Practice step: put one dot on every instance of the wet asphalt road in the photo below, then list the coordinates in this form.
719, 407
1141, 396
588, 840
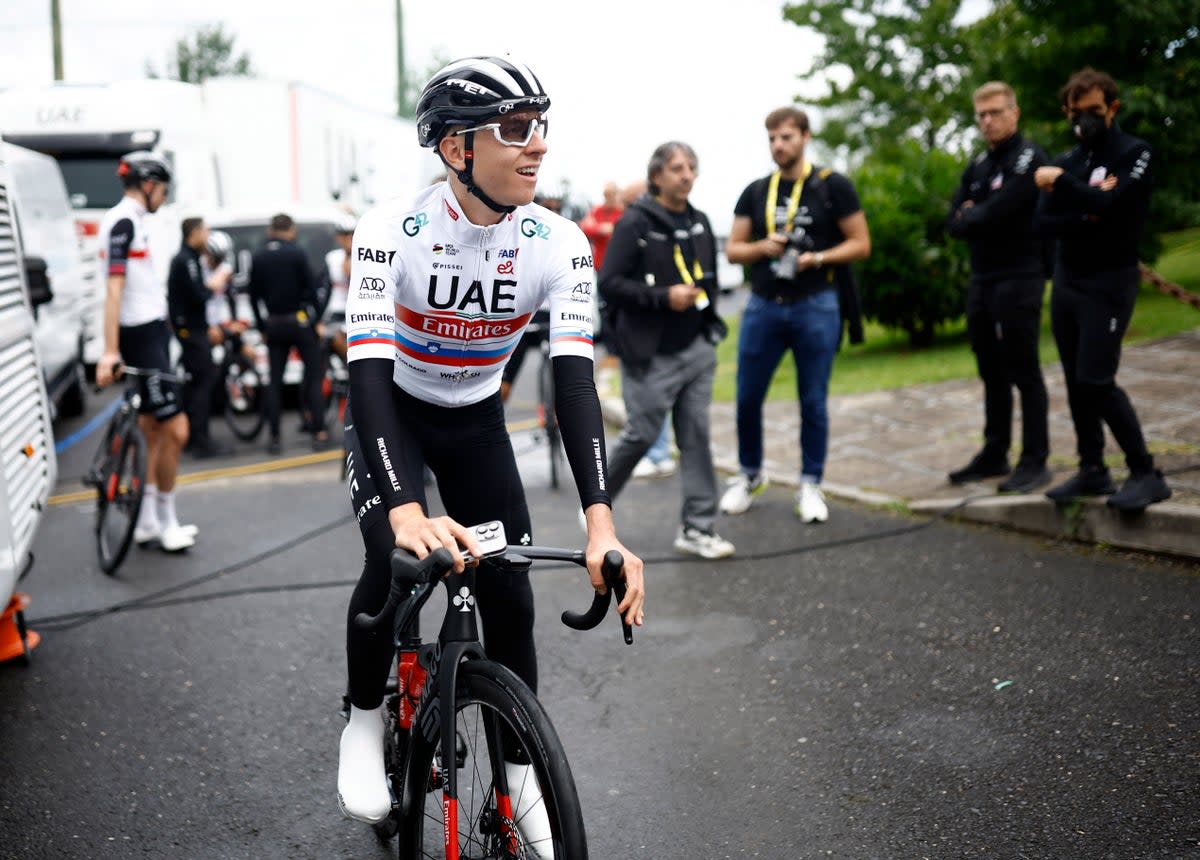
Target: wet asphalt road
946, 692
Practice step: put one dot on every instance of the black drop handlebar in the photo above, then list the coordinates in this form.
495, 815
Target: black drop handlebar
412, 583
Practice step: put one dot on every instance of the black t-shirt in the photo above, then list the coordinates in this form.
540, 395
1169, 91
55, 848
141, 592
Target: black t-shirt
823, 203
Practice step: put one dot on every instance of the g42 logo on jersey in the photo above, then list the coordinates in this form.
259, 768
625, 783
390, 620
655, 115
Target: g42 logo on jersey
375, 256
413, 223
531, 228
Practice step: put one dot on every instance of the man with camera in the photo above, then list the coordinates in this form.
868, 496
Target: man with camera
793, 229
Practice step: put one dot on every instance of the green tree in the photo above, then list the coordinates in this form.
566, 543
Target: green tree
916, 277
205, 53
891, 71
414, 82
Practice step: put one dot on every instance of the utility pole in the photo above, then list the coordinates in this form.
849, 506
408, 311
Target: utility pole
401, 76
56, 38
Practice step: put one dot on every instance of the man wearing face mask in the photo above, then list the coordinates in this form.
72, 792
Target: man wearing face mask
1095, 200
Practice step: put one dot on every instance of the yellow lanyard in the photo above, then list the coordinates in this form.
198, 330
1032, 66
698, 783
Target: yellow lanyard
690, 278
793, 198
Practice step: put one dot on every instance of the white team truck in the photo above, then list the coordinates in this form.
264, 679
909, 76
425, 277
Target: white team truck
26, 441
87, 128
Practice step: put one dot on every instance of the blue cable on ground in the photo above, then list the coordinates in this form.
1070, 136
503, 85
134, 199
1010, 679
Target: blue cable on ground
86, 430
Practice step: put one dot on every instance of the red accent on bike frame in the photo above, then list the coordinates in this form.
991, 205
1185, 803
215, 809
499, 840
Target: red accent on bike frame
507, 829
450, 823
110, 491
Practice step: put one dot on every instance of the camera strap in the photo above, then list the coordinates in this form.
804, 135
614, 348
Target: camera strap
691, 278
793, 205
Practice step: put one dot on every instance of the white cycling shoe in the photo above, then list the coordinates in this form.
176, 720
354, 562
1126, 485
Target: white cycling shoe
529, 810
363, 792
144, 534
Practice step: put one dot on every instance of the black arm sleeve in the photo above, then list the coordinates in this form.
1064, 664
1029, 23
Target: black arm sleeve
391, 451
578, 409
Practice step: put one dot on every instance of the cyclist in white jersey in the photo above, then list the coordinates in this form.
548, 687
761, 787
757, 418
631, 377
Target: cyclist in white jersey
136, 333
441, 288
337, 268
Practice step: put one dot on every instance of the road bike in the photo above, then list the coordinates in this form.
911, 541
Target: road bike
453, 718
118, 471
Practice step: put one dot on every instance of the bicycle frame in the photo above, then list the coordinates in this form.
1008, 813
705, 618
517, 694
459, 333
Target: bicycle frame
457, 642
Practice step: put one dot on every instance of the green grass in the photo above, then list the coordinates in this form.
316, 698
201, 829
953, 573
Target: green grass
886, 361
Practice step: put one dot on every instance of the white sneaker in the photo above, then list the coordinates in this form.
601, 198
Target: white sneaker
810, 503
177, 538
703, 544
529, 811
363, 792
647, 468
741, 493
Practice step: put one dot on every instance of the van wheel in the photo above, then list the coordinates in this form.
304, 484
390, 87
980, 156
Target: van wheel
72, 403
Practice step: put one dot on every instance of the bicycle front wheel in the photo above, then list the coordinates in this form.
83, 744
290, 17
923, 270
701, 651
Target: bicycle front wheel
243, 398
497, 718
120, 487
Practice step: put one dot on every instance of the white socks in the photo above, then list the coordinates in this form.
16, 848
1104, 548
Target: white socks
148, 516
362, 781
165, 505
529, 811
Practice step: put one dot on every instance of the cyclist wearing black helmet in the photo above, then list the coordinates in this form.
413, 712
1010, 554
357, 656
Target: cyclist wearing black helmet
441, 289
136, 333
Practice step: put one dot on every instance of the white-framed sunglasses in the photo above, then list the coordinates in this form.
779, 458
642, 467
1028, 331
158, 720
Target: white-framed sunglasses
512, 130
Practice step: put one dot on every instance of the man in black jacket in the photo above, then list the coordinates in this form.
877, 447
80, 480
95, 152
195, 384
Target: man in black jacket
187, 295
993, 211
1095, 200
282, 280
660, 291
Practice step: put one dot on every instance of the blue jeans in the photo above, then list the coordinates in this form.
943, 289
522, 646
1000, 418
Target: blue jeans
811, 329
661, 449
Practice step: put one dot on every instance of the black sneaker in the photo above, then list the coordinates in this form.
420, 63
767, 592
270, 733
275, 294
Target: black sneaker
1026, 478
273, 447
980, 467
1090, 481
1140, 491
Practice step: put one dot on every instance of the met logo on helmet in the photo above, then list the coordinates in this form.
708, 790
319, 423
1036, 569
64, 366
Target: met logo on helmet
472, 87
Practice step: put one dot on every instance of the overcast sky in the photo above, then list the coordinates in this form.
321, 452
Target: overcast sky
623, 75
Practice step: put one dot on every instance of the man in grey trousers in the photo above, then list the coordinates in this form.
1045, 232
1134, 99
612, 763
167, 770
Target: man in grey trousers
660, 294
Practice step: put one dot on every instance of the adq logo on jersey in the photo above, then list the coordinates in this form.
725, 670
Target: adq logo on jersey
531, 228
413, 223
505, 268
372, 285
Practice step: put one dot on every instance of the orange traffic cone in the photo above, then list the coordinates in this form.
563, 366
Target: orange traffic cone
15, 639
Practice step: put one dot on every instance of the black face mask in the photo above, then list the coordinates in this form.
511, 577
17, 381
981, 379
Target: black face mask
1089, 129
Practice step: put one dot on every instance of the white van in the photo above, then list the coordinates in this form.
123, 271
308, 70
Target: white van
46, 227
26, 442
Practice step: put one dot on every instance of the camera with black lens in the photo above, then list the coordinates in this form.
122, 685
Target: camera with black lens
799, 242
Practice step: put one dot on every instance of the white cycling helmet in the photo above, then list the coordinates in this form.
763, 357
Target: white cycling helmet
345, 224
219, 245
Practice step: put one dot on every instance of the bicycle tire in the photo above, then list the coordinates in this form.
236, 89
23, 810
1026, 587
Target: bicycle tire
333, 390
548, 417
243, 397
488, 690
119, 494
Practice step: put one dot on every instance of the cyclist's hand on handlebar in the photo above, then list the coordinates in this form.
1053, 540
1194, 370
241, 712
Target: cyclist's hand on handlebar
601, 538
106, 368
421, 535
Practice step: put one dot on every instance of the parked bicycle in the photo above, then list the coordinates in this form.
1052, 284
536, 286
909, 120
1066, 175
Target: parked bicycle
118, 472
454, 717
546, 417
242, 388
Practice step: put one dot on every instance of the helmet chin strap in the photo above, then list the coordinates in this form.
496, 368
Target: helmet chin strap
466, 178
